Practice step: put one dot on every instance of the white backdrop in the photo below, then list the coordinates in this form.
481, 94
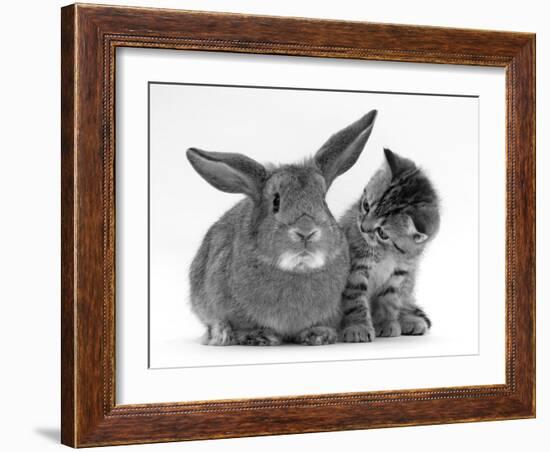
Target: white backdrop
439, 133
29, 184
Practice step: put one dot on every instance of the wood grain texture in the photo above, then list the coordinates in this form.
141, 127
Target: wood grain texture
90, 35
68, 147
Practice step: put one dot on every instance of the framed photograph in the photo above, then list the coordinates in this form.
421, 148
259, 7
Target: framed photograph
281, 225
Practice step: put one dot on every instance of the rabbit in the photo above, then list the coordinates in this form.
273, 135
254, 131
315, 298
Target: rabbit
273, 268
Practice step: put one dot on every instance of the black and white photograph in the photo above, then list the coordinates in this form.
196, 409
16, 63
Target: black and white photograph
286, 216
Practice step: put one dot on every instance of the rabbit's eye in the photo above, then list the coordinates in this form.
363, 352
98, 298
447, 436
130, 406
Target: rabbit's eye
366, 206
382, 234
276, 202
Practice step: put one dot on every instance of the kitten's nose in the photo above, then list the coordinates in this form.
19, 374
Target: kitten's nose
305, 230
366, 228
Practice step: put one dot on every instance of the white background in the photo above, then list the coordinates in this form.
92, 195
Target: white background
30, 227
439, 133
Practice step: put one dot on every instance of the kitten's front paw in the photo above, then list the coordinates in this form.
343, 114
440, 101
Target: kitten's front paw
414, 326
219, 334
260, 337
390, 328
317, 335
357, 333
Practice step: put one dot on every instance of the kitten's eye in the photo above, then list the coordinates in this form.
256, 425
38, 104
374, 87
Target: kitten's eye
276, 202
366, 206
382, 234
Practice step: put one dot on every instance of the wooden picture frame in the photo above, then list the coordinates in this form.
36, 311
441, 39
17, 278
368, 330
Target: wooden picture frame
90, 35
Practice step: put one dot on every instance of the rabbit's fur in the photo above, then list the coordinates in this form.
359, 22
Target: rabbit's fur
272, 269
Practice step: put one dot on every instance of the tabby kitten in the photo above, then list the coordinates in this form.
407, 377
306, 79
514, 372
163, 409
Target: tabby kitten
387, 230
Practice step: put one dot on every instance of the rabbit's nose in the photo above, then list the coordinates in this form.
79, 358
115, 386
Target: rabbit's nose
305, 230
308, 236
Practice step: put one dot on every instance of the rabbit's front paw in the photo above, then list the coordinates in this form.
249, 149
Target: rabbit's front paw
318, 335
388, 328
260, 337
414, 325
357, 333
219, 334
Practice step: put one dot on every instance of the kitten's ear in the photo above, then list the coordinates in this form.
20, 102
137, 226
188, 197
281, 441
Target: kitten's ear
397, 164
418, 237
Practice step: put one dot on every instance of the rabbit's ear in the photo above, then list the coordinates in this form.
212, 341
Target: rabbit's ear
232, 173
343, 148
397, 164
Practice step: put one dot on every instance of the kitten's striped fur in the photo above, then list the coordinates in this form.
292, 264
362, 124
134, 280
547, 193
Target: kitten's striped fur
387, 230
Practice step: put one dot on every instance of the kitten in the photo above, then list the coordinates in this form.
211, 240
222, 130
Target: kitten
387, 230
